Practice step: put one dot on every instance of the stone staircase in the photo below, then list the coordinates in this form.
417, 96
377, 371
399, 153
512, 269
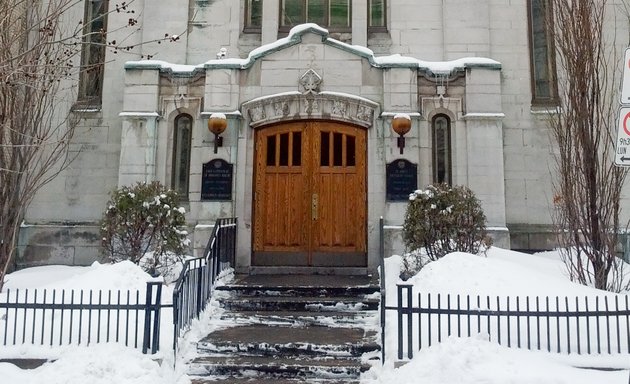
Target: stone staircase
292, 328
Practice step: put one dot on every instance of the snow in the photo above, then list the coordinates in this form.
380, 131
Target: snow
402, 116
455, 360
475, 359
438, 68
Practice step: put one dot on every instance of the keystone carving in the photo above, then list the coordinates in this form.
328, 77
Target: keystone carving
310, 81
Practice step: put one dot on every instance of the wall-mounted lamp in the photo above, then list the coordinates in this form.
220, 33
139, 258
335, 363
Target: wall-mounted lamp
401, 124
216, 125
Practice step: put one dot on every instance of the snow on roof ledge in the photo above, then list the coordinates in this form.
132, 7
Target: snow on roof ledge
437, 68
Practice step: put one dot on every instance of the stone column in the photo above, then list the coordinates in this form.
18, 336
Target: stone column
484, 146
359, 22
138, 142
138, 148
270, 21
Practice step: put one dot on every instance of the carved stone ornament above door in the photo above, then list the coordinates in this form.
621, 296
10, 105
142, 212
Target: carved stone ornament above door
307, 106
310, 82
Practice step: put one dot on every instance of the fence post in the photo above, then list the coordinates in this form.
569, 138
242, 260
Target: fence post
233, 242
151, 337
199, 301
175, 322
382, 285
157, 317
146, 339
404, 310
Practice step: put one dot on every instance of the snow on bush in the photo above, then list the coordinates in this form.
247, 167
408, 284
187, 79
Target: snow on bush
145, 219
440, 220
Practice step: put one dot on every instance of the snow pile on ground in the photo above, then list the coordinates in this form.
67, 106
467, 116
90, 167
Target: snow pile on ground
120, 276
97, 364
500, 272
462, 361
475, 359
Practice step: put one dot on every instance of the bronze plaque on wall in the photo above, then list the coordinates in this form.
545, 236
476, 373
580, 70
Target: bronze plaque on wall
216, 180
401, 180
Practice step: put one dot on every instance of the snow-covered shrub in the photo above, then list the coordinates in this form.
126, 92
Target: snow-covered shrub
145, 219
440, 220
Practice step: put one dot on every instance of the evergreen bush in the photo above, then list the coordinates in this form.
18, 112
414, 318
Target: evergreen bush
144, 224
439, 220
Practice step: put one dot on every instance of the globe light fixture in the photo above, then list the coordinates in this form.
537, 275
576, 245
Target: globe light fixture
217, 123
401, 124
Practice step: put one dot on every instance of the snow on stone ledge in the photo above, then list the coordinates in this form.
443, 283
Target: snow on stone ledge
402, 116
437, 68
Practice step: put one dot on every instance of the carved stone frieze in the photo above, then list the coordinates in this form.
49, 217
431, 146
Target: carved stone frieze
339, 108
282, 108
296, 106
257, 113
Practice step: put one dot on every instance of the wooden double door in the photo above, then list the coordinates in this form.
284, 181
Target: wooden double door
310, 195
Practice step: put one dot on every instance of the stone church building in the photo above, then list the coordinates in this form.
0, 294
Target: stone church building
310, 91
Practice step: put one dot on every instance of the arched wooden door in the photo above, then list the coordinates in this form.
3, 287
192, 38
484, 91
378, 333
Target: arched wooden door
310, 195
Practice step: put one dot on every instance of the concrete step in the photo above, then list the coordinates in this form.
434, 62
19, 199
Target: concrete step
297, 281
266, 340
268, 380
287, 329
288, 303
278, 367
301, 318
260, 290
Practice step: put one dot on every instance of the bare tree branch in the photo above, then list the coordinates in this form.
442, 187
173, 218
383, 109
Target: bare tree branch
588, 185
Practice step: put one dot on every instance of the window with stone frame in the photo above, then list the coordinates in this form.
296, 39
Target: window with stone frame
376, 15
542, 53
253, 15
441, 156
182, 139
332, 14
93, 52
335, 15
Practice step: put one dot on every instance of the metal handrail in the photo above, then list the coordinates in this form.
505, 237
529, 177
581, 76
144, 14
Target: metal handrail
196, 282
382, 282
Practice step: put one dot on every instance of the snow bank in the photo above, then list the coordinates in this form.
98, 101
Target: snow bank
124, 275
474, 360
97, 364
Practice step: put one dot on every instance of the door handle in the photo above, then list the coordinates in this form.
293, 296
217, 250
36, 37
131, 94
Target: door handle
314, 206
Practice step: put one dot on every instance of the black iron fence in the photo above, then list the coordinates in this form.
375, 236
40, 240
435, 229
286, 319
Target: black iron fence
382, 285
196, 282
84, 317
555, 324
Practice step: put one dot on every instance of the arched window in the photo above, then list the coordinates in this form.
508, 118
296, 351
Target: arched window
181, 155
93, 53
441, 132
542, 53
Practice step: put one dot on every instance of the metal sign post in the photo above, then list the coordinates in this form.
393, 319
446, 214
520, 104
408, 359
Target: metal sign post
622, 145
625, 82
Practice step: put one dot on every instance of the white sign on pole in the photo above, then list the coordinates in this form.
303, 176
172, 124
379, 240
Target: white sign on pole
622, 152
625, 85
